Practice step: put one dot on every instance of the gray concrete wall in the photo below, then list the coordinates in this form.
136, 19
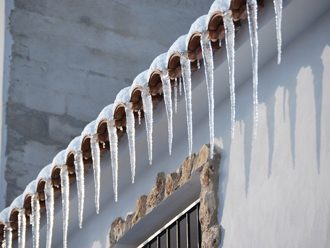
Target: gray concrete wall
69, 59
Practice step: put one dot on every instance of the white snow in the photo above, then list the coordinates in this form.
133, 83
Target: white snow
140, 80
199, 25
159, 63
74, 146
218, 5
45, 173
123, 96
5, 214
31, 188
60, 158
106, 113
18, 202
178, 46
90, 129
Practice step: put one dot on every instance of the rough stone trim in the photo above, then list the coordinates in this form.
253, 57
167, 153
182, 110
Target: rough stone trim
166, 185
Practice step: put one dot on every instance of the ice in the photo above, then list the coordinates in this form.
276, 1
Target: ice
45, 173
49, 197
130, 125
60, 158
123, 96
79, 169
9, 237
252, 11
230, 47
139, 117
186, 74
159, 63
278, 5
178, 46
198, 64
35, 205
65, 191
21, 228
90, 129
209, 76
97, 170
180, 86
219, 5
166, 81
113, 138
105, 114
148, 116
176, 95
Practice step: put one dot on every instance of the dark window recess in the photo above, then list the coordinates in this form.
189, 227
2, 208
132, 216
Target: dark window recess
184, 231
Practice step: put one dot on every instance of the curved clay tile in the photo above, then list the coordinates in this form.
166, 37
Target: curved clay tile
4, 221
86, 135
101, 124
30, 190
155, 70
58, 161
15, 207
140, 82
119, 113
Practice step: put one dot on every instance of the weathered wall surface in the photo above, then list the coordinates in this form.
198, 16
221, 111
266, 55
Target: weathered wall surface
69, 59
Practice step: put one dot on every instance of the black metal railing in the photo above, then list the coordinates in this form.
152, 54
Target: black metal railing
181, 232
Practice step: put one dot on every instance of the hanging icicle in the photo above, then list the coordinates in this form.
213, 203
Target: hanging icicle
252, 11
148, 115
3, 243
35, 205
180, 86
176, 95
9, 237
65, 191
186, 75
130, 129
21, 228
230, 47
113, 138
139, 117
166, 81
278, 6
79, 169
209, 76
49, 197
95, 147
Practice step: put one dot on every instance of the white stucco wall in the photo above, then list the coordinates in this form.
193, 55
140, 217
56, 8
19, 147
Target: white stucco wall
273, 191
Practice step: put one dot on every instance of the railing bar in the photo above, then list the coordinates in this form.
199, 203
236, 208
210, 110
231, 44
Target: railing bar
198, 228
158, 241
177, 234
168, 239
188, 230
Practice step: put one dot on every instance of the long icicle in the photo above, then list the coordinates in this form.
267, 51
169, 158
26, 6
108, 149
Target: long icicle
167, 90
209, 75
65, 191
230, 47
49, 197
278, 6
130, 122
36, 220
97, 170
79, 169
186, 75
113, 138
252, 11
148, 112
176, 95
9, 237
3, 243
21, 228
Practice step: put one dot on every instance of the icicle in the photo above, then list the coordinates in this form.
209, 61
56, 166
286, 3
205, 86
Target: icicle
139, 117
180, 86
9, 237
176, 95
65, 191
121, 129
148, 109
49, 197
113, 138
36, 220
198, 64
21, 228
278, 5
130, 125
97, 170
79, 169
166, 81
252, 11
219, 42
230, 47
103, 145
209, 75
186, 73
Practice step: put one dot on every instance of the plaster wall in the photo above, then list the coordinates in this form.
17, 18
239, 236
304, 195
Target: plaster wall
273, 189
69, 59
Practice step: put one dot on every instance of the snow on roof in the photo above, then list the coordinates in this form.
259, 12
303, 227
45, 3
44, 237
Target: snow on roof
31, 188
199, 25
45, 173
140, 80
90, 129
219, 5
74, 145
106, 113
60, 158
177, 46
123, 96
159, 63
17, 203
